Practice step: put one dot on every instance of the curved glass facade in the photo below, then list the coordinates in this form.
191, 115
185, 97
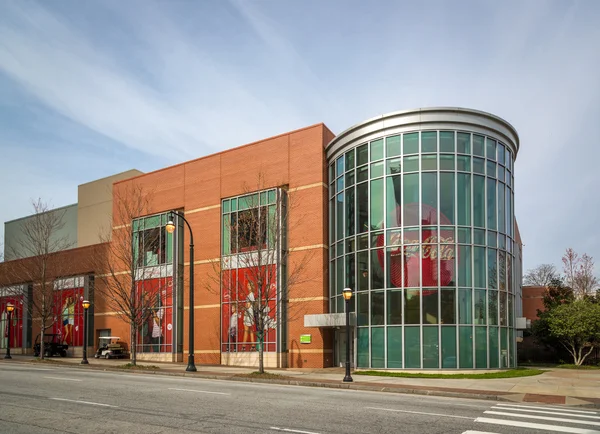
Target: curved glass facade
422, 229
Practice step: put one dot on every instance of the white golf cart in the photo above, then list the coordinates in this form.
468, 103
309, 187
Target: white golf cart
110, 347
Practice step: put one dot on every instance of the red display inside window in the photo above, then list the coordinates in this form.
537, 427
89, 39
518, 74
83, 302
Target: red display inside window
16, 322
156, 334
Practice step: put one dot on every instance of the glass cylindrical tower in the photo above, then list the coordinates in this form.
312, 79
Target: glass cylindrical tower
421, 227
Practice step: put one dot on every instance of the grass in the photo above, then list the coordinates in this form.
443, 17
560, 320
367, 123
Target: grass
571, 366
266, 376
511, 373
140, 367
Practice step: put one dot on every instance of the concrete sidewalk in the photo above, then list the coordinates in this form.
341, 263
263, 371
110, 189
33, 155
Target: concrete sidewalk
557, 386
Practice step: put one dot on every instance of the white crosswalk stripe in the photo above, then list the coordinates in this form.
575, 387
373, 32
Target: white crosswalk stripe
543, 418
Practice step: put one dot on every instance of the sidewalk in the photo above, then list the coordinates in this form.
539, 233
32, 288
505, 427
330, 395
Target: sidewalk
557, 386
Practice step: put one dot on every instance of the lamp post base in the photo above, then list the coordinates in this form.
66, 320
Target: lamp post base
191, 366
348, 377
85, 362
7, 356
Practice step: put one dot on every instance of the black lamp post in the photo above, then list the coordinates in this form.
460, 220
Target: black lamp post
347, 292
191, 366
86, 306
9, 310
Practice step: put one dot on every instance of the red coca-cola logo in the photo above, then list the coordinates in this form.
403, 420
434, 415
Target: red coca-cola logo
405, 260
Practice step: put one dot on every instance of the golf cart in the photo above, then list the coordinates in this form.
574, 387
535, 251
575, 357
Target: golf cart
109, 347
52, 346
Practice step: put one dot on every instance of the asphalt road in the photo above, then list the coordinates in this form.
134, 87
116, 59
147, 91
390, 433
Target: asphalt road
64, 399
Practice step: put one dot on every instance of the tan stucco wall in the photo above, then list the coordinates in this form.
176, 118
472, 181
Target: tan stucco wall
94, 213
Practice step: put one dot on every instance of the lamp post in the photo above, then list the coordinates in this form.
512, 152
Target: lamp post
170, 227
9, 310
347, 292
86, 306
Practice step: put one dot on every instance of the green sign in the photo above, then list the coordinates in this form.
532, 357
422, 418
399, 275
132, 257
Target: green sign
305, 339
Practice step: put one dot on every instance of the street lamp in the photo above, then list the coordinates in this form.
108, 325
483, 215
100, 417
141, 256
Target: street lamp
347, 292
9, 310
170, 227
86, 306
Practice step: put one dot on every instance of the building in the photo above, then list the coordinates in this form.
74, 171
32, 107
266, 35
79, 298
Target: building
412, 210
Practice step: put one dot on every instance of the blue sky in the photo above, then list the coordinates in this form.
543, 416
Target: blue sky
89, 89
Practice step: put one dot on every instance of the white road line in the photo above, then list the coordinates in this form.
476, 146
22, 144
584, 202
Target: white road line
199, 391
546, 408
419, 412
65, 379
553, 419
554, 413
539, 426
478, 432
31, 369
293, 430
84, 402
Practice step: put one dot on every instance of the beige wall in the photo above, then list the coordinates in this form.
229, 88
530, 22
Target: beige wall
94, 213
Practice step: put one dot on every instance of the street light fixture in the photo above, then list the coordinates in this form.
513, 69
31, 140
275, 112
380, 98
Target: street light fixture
347, 292
86, 305
170, 227
9, 310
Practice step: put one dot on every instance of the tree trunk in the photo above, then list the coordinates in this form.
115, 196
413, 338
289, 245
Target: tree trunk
42, 349
132, 346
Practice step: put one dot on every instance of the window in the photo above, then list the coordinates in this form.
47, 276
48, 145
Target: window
153, 245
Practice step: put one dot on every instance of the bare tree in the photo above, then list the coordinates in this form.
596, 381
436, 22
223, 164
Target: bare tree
542, 275
40, 265
579, 273
118, 267
256, 262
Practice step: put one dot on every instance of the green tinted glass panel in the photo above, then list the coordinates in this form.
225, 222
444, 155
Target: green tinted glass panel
465, 306
491, 169
362, 155
463, 143
464, 265
377, 169
412, 306
377, 308
362, 314
339, 279
448, 347
492, 239
234, 204
339, 166
463, 163
429, 162
411, 164
478, 165
377, 150
394, 166
481, 347
492, 269
349, 204
464, 235
349, 160
411, 199
411, 143
226, 205
491, 149
263, 195
429, 198
394, 307
446, 162
464, 199
377, 347
478, 201
501, 209
478, 145
492, 307
377, 204
331, 172
136, 225
339, 216
480, 307
363, 348
446, 141
394, 347
412, 346
479, 236
362, 173
431, 347
501, 153
494, 350
447, 198
362, 206
152, 222
491, 204
429, 141
465, 346
479, 267
392, 208
392, 145
226, 235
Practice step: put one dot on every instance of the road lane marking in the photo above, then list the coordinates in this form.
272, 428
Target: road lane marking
31, 369
538, 426
478, 432
293, 430
419, 412
199, 391
61, 378
515, 406
554, 413
84, 402
553, 419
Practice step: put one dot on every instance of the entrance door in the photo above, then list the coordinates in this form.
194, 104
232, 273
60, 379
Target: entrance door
340, 347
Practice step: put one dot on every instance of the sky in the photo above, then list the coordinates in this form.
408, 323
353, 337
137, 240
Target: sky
90, 89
